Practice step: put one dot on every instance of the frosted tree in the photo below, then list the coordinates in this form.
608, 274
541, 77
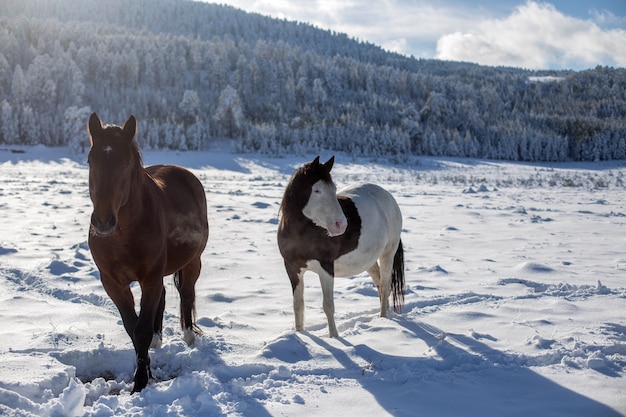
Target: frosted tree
5, 71
9, 128
180, 138
18, 85
229, 113
29, 127
189, 107
319, 93
74, 131
197, 134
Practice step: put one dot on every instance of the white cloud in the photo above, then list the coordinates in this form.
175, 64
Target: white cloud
606, 19
536, 36
404, 26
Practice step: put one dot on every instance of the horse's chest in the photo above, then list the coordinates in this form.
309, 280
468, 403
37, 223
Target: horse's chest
125, 258
303, 242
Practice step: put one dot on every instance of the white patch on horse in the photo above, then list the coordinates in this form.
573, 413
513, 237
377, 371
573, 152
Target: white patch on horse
324, 210
108, 149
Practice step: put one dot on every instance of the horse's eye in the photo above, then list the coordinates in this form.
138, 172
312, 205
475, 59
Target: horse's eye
317, 191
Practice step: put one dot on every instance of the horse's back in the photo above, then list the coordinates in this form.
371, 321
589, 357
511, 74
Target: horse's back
381, 225
181, 187
186, 210
374, 203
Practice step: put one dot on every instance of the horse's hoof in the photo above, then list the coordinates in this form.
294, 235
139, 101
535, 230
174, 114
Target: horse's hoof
157, 341
189, 336
140, 384
142, 374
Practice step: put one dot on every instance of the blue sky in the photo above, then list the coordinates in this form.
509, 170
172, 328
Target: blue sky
563, 34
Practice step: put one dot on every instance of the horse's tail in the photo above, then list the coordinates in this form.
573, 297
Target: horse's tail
397, 280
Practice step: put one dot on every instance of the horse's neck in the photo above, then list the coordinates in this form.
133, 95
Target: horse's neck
295, 221
141, 195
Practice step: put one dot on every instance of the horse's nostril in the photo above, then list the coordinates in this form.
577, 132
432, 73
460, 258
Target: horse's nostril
105, 227
338, 227
111, 221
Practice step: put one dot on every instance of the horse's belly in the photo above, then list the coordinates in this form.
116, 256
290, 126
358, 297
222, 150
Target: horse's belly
357, 261
187, 230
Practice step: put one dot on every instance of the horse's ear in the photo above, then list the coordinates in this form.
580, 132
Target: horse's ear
95, 125
329, 164
130, 127
316, 161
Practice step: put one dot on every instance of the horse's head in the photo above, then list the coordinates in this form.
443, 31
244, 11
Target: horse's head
315, 194
113, 165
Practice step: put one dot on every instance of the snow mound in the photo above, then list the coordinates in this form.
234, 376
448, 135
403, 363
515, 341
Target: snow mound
533, 268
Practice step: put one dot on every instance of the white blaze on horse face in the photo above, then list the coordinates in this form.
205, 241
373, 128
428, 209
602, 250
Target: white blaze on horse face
107, 149
324, 209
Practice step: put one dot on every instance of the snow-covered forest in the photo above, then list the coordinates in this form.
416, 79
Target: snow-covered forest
193, 73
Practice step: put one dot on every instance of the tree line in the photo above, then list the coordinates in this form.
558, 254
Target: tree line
193, 73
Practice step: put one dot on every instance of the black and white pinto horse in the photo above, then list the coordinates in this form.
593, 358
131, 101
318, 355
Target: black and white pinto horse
339, 234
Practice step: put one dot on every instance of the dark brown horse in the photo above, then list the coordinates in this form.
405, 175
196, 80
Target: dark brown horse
146, 223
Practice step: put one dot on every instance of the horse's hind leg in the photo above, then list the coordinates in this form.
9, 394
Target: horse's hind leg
157, 337
386, 267
381, 282
374, 272
384, 284
185, 281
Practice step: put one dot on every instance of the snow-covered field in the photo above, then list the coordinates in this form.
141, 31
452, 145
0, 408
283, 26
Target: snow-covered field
516, 301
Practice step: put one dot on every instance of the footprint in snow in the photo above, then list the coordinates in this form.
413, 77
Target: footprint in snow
5, 251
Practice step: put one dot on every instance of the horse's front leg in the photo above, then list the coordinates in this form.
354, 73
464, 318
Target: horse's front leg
123, 299
296, 276
327, 280
151, 295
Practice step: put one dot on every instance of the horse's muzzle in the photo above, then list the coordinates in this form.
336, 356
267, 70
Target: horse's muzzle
103, 227
337, 228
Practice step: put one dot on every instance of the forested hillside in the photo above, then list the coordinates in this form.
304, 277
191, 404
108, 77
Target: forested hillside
193, 73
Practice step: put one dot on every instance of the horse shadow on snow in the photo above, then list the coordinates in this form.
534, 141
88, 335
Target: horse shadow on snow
463, 375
